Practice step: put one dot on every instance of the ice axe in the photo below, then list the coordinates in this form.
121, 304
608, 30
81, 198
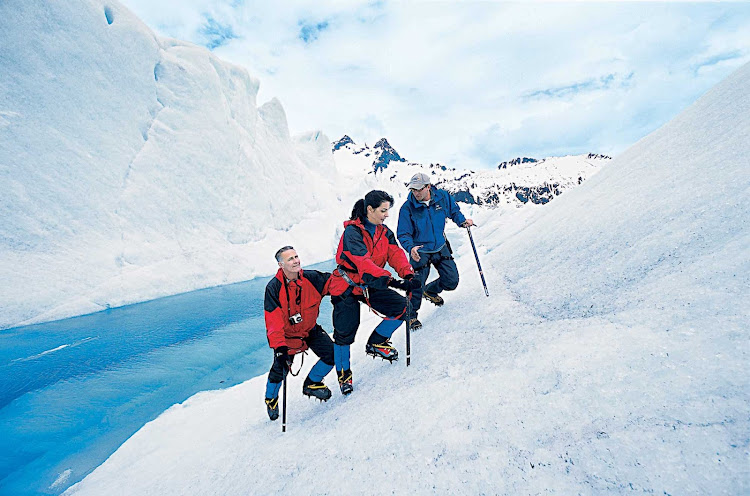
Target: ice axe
479, 266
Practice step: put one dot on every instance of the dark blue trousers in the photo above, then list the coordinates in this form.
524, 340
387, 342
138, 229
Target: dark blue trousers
447, 274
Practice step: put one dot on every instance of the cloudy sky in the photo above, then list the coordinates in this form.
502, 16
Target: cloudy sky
470, 84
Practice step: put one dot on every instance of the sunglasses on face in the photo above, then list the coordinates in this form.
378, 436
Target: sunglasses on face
419, 189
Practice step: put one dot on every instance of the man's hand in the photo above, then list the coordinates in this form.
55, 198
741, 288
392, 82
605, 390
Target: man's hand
468, 223
415, 253
281, 356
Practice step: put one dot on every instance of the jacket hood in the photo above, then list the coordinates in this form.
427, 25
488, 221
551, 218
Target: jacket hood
360, 225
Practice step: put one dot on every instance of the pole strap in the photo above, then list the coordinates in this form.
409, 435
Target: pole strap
302, 362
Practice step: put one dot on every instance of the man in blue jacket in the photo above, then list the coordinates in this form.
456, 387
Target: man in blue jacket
421, 232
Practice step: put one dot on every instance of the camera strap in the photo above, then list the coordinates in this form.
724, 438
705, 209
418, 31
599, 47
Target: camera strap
288, 301
289, 314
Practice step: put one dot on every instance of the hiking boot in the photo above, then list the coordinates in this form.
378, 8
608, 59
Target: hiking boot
345, 382
272, 407
415, 324
316, 390
433, 298
382, 350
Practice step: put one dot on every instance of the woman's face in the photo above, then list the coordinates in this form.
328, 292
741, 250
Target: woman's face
379, 214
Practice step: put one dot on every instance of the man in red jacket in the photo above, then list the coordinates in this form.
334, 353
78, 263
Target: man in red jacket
291, 307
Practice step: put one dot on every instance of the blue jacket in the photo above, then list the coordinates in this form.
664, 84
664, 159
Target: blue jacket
419, 224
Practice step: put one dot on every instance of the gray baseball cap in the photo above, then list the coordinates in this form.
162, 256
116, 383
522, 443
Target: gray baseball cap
419, 181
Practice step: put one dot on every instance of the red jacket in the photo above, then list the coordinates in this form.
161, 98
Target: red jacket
286, 298
363, 257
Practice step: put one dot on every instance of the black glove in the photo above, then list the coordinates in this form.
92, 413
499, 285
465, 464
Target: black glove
409, 283
412, 282
281, 356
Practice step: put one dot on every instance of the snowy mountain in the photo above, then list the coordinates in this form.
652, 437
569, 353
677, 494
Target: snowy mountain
515, 182
611, 357
134, 166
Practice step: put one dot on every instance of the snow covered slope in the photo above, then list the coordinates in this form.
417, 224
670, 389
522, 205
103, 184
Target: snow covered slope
513, 183
669, 214
133, 166
612, 356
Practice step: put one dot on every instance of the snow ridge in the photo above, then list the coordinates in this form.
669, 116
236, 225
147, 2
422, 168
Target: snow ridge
152, 165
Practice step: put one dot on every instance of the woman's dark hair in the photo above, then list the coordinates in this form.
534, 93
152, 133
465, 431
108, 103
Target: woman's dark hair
372, 199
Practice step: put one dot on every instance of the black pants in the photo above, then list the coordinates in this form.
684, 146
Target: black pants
319, 342
346, 312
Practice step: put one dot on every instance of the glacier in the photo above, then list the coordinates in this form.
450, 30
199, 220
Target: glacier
611, 358
134, 166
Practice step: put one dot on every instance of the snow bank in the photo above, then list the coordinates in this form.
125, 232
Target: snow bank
133, 166
611, 357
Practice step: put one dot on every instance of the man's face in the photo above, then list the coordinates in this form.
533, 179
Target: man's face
422, 194
290, 261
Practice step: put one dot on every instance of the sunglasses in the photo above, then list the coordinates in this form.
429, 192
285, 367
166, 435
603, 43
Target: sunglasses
420, 189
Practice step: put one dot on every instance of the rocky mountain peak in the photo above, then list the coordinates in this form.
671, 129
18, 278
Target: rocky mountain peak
386, 154
346, 140
516, 161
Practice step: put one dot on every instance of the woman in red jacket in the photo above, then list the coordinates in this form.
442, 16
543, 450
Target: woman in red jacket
365, 247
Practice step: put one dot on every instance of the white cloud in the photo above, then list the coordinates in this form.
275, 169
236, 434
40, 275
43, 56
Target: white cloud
472, 83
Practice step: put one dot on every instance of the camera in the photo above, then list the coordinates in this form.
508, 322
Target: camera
296, 318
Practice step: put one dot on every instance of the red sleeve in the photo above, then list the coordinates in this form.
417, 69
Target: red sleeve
274, 315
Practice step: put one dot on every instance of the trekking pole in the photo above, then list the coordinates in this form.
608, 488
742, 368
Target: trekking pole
283, 407
408, 328
479, 266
